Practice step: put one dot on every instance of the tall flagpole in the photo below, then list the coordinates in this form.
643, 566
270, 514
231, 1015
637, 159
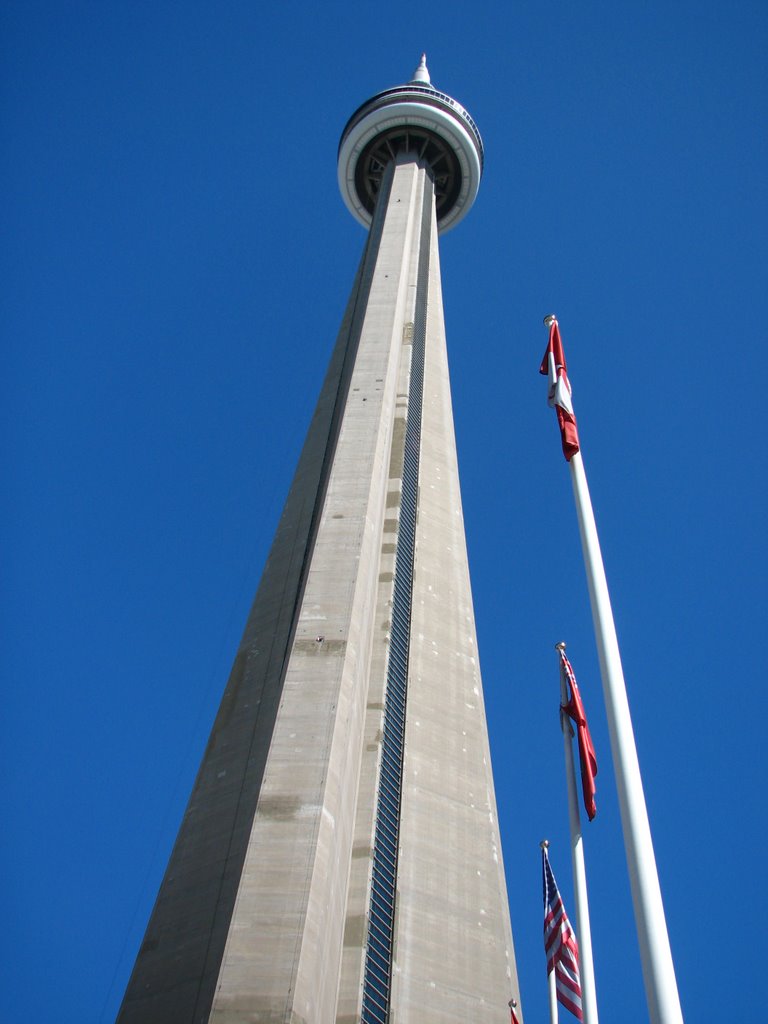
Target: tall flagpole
586, 962
655, 953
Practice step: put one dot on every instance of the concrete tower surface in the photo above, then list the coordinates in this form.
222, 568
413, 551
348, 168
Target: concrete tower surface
339, 859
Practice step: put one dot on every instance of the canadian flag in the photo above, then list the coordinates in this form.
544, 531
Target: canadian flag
559, 394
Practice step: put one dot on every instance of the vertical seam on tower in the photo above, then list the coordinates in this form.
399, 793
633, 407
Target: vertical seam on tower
377, 978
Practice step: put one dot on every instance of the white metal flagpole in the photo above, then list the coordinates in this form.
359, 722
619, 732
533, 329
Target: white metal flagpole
552, 982
586, 962
655, 953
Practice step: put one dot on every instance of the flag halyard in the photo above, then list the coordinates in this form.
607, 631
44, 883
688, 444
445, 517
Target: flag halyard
559, 393
575, 710
560, 944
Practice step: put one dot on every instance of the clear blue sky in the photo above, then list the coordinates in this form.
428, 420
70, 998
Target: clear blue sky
175, 261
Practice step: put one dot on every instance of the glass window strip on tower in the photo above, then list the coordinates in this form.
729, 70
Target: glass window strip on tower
377, 979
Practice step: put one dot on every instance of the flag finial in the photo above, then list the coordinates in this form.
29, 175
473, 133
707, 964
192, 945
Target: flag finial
544, 844
560, 646
549, 319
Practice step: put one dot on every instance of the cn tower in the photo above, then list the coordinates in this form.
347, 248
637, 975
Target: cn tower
340, 859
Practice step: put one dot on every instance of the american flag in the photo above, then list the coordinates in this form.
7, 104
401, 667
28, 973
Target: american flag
560, 944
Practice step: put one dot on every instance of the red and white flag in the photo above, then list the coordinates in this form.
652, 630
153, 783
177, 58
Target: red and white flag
560, 944
512, 1008
559, 394
575, 710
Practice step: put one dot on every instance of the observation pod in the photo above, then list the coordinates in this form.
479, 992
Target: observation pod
418, 118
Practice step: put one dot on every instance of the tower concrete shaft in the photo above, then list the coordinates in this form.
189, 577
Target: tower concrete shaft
340, 857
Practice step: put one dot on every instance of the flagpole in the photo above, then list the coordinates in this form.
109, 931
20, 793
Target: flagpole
586, 962
552, 982
551, 979
655, 953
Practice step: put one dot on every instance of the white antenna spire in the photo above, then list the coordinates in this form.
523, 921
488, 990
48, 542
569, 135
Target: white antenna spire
421, 74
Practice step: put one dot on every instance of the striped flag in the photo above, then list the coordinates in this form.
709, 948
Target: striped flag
560, 944
512, 1008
